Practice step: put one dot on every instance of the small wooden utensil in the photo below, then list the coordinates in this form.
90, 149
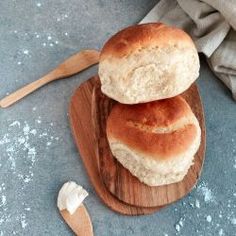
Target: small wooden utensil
79, 222
74, 64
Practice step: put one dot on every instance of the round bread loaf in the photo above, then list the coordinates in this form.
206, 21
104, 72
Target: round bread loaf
155, 141
148, 62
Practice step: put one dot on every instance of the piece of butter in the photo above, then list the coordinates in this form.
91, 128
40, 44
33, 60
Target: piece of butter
70, 196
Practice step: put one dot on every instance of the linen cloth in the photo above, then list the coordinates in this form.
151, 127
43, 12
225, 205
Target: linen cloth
211, 24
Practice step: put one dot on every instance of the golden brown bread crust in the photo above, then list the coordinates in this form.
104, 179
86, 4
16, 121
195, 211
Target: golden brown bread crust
136, 37
148, 127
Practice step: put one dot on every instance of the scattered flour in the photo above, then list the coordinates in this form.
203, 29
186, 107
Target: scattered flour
4, 139
209, 218
49, 143
233, 221
179, 224
19, 157
33, 131
26, 52
43, 134
23, 223
206, 192
221, 232
15, 123
38, 121
3, 200
197, 203
177, 227
26, 129
62, 17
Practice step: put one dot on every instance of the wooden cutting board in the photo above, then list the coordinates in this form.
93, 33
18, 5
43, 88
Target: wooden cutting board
82, 126
120, 182
88, 111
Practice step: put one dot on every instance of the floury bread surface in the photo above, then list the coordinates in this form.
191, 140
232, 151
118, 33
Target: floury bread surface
155, 141
147, 62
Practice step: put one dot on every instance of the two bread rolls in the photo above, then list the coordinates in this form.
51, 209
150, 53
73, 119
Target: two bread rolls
148, 66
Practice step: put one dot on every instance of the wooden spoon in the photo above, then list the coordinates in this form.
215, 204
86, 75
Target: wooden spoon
79, 222
69, 67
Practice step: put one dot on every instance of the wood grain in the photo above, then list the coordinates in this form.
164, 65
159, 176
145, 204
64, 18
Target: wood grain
82, 126
88, 112
121, 182
79, 222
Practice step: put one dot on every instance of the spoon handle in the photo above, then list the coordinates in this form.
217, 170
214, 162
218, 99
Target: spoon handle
79, 222
71, 66
24, 91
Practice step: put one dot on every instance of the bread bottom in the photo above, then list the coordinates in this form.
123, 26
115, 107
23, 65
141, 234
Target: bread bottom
154, 172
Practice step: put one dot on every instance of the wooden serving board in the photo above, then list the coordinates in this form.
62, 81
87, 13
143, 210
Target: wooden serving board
120, 182
89, 109
82, 126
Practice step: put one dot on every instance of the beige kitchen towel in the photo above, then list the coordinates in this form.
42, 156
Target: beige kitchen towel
211, 24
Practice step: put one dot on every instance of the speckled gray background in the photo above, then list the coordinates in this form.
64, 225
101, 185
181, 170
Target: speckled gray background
37, 153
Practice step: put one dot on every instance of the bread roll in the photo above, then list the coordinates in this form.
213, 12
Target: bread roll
148, 62
155, 141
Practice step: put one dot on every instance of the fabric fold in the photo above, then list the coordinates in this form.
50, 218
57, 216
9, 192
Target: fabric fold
211, 24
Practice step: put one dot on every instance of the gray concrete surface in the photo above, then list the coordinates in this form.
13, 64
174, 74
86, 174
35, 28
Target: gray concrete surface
37, 153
